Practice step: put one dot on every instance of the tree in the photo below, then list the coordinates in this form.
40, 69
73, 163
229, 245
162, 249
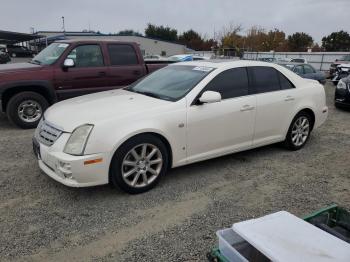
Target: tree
299, 42
191, 39
209, 44
129, 32
161, 32
276, 40
257, 39
229, 36
230, 40
195, 41
336, 41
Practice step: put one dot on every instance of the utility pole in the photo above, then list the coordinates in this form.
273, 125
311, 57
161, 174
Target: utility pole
63, 27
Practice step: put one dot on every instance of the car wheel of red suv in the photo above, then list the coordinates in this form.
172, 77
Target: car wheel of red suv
26, 109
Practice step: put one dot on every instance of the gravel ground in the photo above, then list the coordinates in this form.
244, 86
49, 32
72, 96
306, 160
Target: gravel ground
41, 220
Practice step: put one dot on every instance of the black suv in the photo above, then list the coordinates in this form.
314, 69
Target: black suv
19, 51
342, 93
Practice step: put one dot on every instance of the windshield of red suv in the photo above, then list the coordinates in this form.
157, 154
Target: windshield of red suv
50, 54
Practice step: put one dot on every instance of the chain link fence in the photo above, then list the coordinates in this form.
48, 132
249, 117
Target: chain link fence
319, 60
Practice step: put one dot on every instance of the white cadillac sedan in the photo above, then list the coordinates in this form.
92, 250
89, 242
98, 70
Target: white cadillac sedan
181, 114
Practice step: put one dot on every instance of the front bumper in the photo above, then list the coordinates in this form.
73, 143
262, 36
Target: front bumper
72, 171
342, 96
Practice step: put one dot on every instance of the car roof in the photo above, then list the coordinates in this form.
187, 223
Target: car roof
291, 63
223, 63
69, 41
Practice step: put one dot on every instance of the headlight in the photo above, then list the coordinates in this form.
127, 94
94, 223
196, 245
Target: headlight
77, 140
341, 85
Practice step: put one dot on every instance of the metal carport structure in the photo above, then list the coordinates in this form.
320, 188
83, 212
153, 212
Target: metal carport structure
11, 38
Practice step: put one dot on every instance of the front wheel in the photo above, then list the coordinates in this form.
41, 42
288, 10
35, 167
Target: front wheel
25, 109
299, 131
139, 163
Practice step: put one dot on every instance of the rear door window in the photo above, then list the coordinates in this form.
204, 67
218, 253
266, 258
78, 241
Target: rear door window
230, 83
121, 54
264, 79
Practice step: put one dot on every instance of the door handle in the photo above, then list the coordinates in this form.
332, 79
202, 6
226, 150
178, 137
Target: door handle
102, 73
289, 98
247, 108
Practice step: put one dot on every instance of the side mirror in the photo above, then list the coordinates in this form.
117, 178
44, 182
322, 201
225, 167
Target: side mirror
68, 63
210, 97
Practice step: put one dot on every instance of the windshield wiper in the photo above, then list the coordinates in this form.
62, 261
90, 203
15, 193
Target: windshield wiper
130, 89
148, 94
34, 61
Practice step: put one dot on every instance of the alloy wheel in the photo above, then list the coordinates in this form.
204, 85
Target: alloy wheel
142, 165
300, 131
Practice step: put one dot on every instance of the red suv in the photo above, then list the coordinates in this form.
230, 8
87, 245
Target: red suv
66, 69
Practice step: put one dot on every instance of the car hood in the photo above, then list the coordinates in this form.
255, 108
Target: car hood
344, 65
341, 62
15, 67
100, 107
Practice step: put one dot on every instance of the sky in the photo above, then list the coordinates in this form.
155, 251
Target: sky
315, 17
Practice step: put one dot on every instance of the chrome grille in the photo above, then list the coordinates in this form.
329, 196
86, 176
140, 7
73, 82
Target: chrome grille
47, 134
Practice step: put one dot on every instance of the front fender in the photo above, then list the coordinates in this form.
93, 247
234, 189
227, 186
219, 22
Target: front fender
13, 87
109, 137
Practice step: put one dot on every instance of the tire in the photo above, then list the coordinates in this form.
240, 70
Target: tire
125, 168
292, 142
20, 109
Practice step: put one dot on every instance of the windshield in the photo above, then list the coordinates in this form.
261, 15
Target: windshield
171, 82
50, 54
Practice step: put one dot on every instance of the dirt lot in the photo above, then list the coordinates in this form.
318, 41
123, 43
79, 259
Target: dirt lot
42, 220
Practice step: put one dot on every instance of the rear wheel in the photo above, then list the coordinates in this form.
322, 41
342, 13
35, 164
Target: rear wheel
139, 163
25, 109
299, 131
